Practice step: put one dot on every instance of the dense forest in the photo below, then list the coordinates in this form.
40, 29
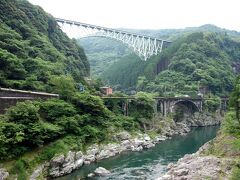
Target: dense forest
102, 53
34, 50
198, 61
36, 55
199, 58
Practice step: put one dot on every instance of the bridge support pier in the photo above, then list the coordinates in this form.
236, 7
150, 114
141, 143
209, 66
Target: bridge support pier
125, 107
223, 105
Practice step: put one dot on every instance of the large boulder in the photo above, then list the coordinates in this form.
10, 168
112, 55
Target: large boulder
100, 171
108, 151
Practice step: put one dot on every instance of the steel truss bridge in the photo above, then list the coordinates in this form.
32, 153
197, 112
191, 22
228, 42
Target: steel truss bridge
143, 46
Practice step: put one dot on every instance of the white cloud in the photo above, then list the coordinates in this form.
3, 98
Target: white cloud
147, 14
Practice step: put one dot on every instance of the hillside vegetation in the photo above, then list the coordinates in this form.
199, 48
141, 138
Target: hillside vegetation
202, 58
199, 60
226, 145
33, 49
102, 53
36, 55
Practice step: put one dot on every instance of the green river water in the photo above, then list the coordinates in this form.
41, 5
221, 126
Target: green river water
148, 164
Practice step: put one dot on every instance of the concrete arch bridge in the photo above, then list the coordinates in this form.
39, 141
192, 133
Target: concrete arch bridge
166, 105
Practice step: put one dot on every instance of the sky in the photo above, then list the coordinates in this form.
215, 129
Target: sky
147, 14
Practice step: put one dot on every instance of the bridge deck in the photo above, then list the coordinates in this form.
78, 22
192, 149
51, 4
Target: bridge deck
108, 29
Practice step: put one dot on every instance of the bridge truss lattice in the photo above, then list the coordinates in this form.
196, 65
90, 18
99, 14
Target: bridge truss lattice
143, 46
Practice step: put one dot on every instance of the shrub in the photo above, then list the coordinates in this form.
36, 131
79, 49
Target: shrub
55, 108
142, 107
212, 104
230, 124
20, 168
124, 122
11, 135
23, 113
87, 103
235, 173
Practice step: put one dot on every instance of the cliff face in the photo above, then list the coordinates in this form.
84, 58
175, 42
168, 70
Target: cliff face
33, 48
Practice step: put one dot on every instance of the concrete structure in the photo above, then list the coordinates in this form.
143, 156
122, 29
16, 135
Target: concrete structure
9, 97
106, 90
144, 46
166, 105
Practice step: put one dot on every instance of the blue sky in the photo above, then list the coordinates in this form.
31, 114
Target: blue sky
147, 14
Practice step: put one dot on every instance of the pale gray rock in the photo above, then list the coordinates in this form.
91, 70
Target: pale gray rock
3, 174
61, 165
105, 153
93, 150
197, 167
69, 163
79, 159
137, 142
160, 138
126, 145
90, 175
148, 144
86, 162
109, 151
90, 158
78, 155
100, 171
181, 172
138, 148
146, 137
124, 135
78, 163
37, 172
55, 165
57, 161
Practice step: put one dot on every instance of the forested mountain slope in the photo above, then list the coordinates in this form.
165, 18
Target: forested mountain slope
205, 57
102, 53
199, 60
33, 49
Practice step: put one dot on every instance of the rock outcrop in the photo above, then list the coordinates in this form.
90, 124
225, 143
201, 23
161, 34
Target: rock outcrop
203, 119
61, 165
38, 171
195, 167
3, 174
100, 171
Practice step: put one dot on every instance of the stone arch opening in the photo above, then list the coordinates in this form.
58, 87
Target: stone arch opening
183, 109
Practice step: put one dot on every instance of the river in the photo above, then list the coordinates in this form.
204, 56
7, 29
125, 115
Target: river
148, 164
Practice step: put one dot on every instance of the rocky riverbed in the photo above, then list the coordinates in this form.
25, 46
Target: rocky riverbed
123, 141
64, 164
